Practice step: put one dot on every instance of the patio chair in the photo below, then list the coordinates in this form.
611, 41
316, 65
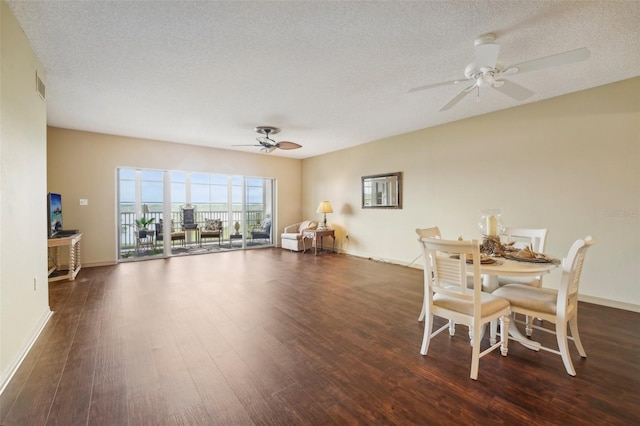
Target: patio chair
175, 235
262, 232
212, 229
188, 217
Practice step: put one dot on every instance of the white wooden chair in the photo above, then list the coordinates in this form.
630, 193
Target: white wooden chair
523, 237
449, 297
557, 306
433, 232
534, 238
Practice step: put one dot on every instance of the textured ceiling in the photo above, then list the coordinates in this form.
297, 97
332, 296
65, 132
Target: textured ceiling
330, 74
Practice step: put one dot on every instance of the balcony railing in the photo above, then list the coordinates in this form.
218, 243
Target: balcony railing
128, 222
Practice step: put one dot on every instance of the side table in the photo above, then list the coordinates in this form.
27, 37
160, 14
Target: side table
314, 234
232, 237
56, 272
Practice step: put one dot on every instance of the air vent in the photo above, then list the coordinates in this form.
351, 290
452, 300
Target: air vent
39, 86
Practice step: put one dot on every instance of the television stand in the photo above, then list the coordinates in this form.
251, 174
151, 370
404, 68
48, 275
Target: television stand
56, 271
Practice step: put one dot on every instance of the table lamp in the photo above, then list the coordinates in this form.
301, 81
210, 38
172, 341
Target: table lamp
324, 207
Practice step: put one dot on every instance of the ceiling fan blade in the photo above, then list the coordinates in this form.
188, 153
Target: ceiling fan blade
513, 90
486, 55
288, 145
246, 145
432, 86
564, 58
457, 98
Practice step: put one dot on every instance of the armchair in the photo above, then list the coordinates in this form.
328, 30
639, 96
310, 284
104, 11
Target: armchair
212, 229
292, 237
262, 232
175, 236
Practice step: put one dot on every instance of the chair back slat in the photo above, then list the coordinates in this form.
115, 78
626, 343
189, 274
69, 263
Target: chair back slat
450, 271
447, 265
522, 237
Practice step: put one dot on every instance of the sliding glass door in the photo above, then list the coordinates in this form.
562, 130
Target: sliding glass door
224, 212
140, 194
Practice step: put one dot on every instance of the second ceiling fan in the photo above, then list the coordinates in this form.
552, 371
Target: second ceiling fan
267, 144
485, 71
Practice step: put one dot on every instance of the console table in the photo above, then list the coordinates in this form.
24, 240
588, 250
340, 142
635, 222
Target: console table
55, 245
314, 234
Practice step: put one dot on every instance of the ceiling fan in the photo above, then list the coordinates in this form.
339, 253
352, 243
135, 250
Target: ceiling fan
486, 71
267, 144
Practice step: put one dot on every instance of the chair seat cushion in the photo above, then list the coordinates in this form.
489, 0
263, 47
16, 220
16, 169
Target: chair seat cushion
532, 282
291, 236
490, 304
531, 298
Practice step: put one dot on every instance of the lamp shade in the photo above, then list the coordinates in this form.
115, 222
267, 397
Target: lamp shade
324, 207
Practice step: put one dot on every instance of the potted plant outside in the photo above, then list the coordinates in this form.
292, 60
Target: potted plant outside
141, 225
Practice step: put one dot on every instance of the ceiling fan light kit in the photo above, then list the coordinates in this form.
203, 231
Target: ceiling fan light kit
268, 145
485, 71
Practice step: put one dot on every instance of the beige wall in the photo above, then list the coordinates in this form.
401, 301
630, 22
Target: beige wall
24, 309
570, 164
83, 165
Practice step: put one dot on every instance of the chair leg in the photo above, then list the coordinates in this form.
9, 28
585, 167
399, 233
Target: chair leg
493, 332
483, 328
573, 326
504, 334
475, 350
428, 324
561, 337
527, 327
452, 328
422, 312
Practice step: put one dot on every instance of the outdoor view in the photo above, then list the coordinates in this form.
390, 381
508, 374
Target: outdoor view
238, 207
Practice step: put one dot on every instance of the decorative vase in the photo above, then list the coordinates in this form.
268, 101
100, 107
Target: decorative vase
490, 224
236, 226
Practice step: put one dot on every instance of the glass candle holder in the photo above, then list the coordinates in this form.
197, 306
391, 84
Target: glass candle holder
490, 224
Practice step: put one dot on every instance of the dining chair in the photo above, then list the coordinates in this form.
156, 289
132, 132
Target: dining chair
448, 297
557, 306
433, 232
534, 238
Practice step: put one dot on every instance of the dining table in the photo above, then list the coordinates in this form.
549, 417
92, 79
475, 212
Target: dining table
500, 266
504, 267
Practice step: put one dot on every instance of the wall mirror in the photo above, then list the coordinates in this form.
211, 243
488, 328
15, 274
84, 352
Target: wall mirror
382, 191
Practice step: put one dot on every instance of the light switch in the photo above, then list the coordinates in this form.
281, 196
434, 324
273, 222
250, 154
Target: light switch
84, 202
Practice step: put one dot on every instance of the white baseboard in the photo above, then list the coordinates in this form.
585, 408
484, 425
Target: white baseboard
7, 375
610, 303
417, 263
94, 264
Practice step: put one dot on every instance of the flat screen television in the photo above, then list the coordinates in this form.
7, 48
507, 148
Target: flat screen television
54, 205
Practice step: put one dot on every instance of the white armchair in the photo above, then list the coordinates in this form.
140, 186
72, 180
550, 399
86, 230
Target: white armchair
291, 236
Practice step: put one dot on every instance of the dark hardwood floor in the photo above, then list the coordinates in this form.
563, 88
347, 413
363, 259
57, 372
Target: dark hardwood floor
270, 337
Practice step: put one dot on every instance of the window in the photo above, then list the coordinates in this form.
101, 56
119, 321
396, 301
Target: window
240, 204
